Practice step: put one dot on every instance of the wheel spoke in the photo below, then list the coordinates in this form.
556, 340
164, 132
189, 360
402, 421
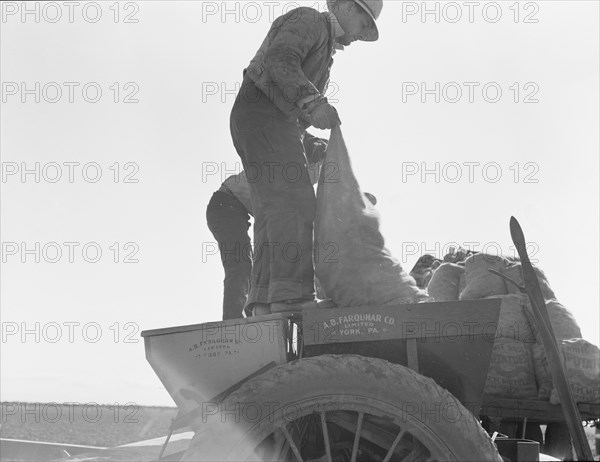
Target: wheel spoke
280, 447
424, 451
372, 433
291, 442
326, 436
357, 436
412, 456
388, 456
417, 451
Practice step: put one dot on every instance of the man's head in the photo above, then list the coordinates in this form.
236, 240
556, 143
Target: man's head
357, 18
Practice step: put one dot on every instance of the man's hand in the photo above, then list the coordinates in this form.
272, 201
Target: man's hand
324, 117
314, 148
319, 149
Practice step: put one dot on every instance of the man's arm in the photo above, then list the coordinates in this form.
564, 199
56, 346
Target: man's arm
315, 149
297, 35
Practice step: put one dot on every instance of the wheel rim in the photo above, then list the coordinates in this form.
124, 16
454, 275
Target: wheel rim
356, 429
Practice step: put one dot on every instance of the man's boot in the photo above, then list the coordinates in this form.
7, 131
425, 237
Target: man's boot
297, 306
260, 309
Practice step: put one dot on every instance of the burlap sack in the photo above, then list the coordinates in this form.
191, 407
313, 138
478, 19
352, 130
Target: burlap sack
563, 322
462, 283
480, 282
564, 326
515, 272
457, 255
361, 270
581, 360
511, 371
445, 282
513, 322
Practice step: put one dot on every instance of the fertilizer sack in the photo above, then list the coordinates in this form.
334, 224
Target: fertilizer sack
480, 282
510, 374
581, 361
362, 271
513, 322
515, 272
562, 320
564, 326
462, 283
445, 282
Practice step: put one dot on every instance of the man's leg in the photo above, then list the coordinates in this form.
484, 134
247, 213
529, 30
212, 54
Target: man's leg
283, 199
261, 269
229, 223
285, 193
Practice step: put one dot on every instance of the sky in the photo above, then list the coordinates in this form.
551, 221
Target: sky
115, 133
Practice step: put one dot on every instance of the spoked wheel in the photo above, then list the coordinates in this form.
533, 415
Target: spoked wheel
340, 408
345, 436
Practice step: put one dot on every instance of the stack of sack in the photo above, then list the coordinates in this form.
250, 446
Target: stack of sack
519, 366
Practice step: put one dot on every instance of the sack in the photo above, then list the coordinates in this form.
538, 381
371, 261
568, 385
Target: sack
565, 327
513, 322
515, 272
511, 371
581, 361
480, 282
445, 282
462, 283
457, 255
563, 322
543, 377
359, 270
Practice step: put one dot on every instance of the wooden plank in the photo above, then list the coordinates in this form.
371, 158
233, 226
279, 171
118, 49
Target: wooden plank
467, 318
214, 326
412, 356
539, 411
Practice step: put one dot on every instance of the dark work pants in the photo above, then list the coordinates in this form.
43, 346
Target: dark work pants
283, 199
228, 221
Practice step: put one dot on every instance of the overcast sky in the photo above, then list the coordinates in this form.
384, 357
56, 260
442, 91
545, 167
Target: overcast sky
454, 122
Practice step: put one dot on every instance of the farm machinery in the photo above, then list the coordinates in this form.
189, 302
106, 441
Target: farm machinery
373, 383
386, 382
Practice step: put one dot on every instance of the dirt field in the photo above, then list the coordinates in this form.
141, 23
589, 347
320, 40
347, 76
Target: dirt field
94, 425
97, 425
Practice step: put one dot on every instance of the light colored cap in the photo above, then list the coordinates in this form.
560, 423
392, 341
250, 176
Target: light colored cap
373, 9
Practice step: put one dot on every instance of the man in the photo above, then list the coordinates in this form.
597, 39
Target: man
283, 88
423, 270
228, 218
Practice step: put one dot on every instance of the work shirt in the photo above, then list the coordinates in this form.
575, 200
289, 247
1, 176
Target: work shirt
294, 61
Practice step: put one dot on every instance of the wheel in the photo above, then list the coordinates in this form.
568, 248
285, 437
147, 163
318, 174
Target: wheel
339, 408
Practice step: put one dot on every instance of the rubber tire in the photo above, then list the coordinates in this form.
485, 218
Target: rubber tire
328, 381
